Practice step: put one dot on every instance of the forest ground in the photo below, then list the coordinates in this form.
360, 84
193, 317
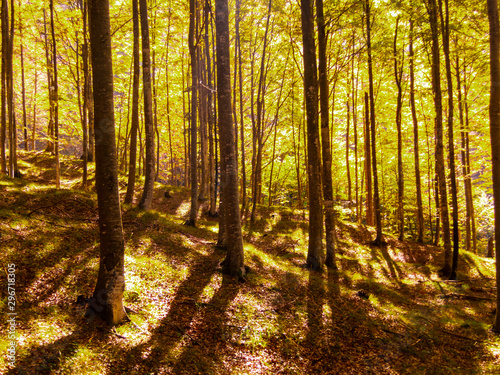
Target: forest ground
385, 311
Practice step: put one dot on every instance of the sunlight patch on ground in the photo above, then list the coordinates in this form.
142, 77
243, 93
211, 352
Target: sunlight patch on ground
183, 209
210, 289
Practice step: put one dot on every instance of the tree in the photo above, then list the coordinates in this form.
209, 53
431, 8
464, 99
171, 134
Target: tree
234, 263
315, 247
149, 168
325, 138
376, 198
440, 170
193, 152
135, 105
108, 293
495, 136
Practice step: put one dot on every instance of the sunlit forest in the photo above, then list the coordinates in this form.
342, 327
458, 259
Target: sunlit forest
249, 187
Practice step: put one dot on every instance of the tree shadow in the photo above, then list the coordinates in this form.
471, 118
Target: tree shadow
203, 353
157, 352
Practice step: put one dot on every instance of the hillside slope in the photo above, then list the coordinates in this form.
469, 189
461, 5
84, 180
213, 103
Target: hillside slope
385, 311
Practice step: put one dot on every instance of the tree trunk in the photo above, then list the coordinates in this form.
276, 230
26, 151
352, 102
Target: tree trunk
315, 248
420, 211
129, 196
495, 136
50, 127
5, 43
234, 262
445, 29
23, 88
440, 169
325, 139
193, 213
56, 96
368, 165
347, 148
398, 75
242, 125
107, 301
149, 167
376, 200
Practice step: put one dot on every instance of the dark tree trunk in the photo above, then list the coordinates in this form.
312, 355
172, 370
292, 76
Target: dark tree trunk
376, 200
368, 165
440, 168
149, 165
315, 248
495, 136
5, 43
325, 138
193, 155
56, 96
420, 211
234, 262
23, 88
445, 28
129, 196
398, 74
108, 293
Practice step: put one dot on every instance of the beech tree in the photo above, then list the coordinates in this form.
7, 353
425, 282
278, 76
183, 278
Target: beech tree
234, 262
315, 247
107, 299
495, 136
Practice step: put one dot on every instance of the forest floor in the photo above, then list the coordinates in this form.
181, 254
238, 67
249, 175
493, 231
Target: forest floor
385, 311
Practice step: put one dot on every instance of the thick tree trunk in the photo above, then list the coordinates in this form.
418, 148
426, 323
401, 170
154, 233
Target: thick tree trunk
129, 196
108, 293
315, 248
495, 136
149, 167
234, 262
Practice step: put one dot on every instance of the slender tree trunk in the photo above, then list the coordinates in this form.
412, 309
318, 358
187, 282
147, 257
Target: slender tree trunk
368, 165
325, 138
149, 167
463, 155
440, 168
56, 96
420, 211
193, 213
129, 195
495, 136
5, 43
445, 28
469, 180
23, 88
398, 74
234, 262
107, 301
33, 128
50, 128
315, 248
242, 125
347, 148
376, 200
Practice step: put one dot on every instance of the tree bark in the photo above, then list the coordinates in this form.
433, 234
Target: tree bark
325, 138
376, 200
129, 195
368, 165
234, 262
495, 136
440, 168
108, 293
56, 96
315, 247
149, 167
420, 211
193, 155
